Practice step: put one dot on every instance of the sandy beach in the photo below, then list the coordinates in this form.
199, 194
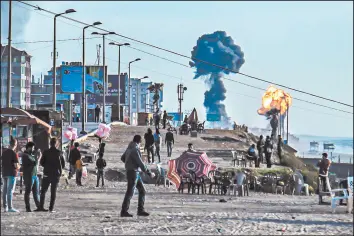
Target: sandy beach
95, 211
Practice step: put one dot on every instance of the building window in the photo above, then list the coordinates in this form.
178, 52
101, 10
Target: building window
23, 59
134, 95
133, 89
23, 70
15, 59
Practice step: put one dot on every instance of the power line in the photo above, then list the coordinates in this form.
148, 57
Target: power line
196, 59
50, 41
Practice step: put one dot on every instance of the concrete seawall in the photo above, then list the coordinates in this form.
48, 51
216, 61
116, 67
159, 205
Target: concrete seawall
340, 169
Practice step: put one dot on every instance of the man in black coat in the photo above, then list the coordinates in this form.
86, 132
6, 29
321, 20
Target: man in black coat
97, 114
53, 163
30, 179
74, 156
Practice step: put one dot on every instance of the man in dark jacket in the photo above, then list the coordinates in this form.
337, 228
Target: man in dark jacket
268, 149
53, 163
169, 141
149, 145
30, 179
133, 166
260, 148
97, 114
74, 156
280, 147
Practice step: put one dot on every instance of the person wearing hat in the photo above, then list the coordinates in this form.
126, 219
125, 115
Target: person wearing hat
324, 165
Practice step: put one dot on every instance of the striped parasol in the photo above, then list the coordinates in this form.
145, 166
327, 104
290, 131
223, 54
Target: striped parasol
198, 162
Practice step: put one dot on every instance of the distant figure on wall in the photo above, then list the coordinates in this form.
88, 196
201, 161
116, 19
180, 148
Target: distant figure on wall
97, 114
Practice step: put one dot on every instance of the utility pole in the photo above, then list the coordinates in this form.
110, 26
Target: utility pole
180, 91
287, 125
9, 57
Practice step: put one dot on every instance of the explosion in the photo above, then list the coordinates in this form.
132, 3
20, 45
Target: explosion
219, 49
274, 101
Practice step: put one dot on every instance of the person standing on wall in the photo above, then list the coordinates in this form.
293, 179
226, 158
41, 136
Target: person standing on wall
260, 148
97, 114
9, 168
268, 149
30, 178
53, 164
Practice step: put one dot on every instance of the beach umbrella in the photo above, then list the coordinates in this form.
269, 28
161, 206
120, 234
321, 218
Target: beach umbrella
172, 174
198, 162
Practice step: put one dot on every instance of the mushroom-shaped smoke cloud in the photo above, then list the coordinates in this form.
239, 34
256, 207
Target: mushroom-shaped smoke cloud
219, 49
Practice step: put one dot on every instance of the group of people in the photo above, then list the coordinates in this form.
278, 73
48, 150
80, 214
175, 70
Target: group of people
157, 119
53, 164
265, 147
153, 144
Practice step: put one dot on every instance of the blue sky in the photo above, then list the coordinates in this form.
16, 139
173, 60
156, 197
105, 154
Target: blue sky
306, 45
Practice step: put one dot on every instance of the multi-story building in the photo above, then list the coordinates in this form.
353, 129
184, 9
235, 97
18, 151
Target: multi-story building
145, 96
21, 77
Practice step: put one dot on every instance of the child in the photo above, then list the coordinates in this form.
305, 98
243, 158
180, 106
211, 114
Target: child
100, 165
78, 165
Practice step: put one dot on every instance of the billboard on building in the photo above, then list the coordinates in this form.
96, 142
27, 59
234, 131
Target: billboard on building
71, 78
112, 91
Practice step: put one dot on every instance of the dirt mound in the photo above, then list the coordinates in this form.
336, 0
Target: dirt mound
115, 175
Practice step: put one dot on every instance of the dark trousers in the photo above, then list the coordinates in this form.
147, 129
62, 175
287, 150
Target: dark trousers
97, 118
78, 177
134, 181
53, 182
150, 150
100, 175
260, 155
323, 183
32, 185
169, 149
268, 159
157, 152
164, 123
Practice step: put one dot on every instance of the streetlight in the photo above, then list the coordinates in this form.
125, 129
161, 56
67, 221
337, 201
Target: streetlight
104, 72
83, 109
119, 45
129, 85
137, 92
54, 56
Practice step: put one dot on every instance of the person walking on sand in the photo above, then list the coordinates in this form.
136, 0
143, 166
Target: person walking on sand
133, 166
149, 145
169, 141
9, 168
53, 164
260, 148
100, 165
268, 149
164, 119
74, 156
97, 114
30, 178
157, 142
79, 167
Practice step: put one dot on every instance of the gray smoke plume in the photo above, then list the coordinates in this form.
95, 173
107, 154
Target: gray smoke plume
216, 48
20, 18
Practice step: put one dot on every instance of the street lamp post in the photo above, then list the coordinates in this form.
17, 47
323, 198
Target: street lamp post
129, 86
137, 93
83, 109
54, 56
9, 57
104, 73
119, 45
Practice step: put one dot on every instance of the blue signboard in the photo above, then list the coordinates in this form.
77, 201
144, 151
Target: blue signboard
63, 97
71, 78
175, 115
213, 117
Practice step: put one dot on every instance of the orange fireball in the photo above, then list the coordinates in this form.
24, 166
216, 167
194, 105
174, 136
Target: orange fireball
275, 98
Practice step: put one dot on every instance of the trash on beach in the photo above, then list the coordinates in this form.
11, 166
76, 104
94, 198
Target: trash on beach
219, 230
282, 230
222, 200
